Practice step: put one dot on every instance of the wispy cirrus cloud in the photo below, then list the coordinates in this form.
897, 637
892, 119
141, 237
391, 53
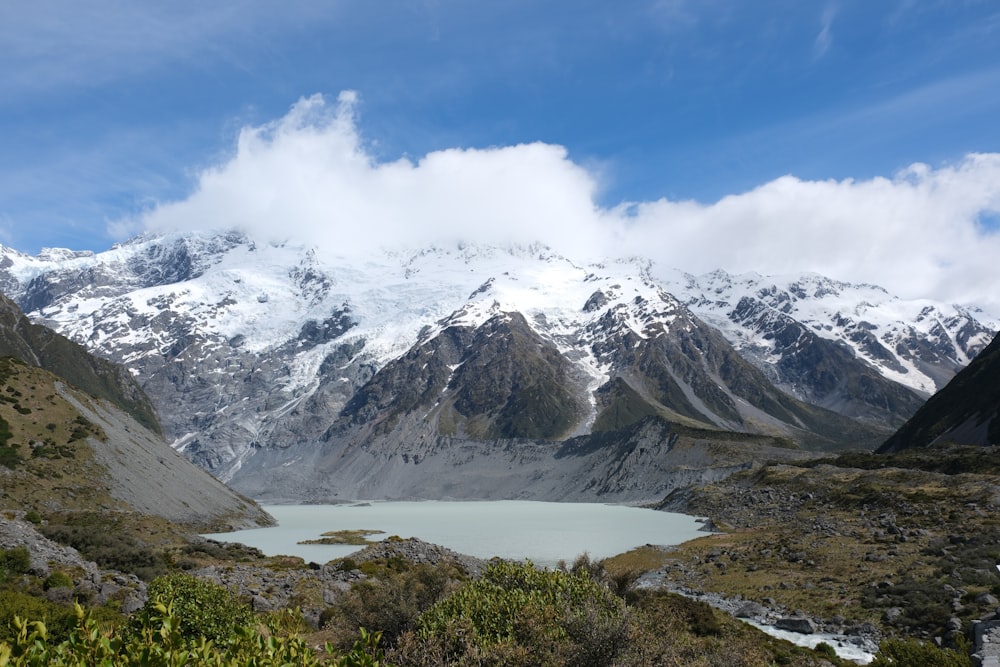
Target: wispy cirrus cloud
824, 40
55, 44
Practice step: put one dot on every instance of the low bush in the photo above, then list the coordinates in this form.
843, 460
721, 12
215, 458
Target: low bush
110, 549
391, 603
912, 653
9, 456
525, 615
58, 580
14, 562
58, 619
204, 609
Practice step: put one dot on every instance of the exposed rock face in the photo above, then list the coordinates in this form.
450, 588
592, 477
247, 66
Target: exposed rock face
823, 372
966, 411
269, 364
149, 477
804, 331
499, 381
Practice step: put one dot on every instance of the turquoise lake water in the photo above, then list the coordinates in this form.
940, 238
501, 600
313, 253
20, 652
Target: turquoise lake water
542, 532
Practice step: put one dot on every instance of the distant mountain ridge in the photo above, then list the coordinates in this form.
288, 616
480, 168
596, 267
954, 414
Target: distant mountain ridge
259, 352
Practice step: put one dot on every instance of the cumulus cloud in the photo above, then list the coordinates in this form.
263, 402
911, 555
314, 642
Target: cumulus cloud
917, 233
310, 176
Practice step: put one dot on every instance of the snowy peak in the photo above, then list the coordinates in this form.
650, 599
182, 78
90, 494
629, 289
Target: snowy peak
917, 343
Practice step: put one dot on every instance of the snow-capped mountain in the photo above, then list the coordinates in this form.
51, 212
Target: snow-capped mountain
918, 343
262, 356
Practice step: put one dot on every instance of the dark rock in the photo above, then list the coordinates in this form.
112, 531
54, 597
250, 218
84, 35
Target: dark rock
750, 610
801, 624
862, 630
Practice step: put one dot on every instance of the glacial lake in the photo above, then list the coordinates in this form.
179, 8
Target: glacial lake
542, 532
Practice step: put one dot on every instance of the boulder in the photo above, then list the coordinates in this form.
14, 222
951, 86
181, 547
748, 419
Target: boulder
750, 610
801, 624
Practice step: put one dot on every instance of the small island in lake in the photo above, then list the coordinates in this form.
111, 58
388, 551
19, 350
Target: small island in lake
344, 537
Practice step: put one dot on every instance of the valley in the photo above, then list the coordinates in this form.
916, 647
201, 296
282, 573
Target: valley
499, 373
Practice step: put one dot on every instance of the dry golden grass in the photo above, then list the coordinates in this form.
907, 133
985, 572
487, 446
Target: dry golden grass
843, 542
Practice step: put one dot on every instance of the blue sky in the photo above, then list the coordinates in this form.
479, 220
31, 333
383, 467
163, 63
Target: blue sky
114, 111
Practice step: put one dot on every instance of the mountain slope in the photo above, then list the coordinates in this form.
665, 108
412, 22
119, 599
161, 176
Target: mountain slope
64, 449
43, 347
966, 411
639, 463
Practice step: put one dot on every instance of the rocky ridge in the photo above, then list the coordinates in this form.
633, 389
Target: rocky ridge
313, 588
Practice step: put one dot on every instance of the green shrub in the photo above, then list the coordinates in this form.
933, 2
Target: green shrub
9, 457
14, 562
912, 653
825, 649
515, 609
110, 549
33, 516
5, 434
158, 642
58, 619
392, 603
58, 580
204, 609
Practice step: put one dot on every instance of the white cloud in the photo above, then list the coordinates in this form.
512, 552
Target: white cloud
309, 176
915, 234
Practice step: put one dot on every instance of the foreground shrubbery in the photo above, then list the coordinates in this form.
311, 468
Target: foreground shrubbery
160, 642
392, 599
186, 622
514, 614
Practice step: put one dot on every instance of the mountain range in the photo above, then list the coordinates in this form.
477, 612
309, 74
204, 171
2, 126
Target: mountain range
479, 371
